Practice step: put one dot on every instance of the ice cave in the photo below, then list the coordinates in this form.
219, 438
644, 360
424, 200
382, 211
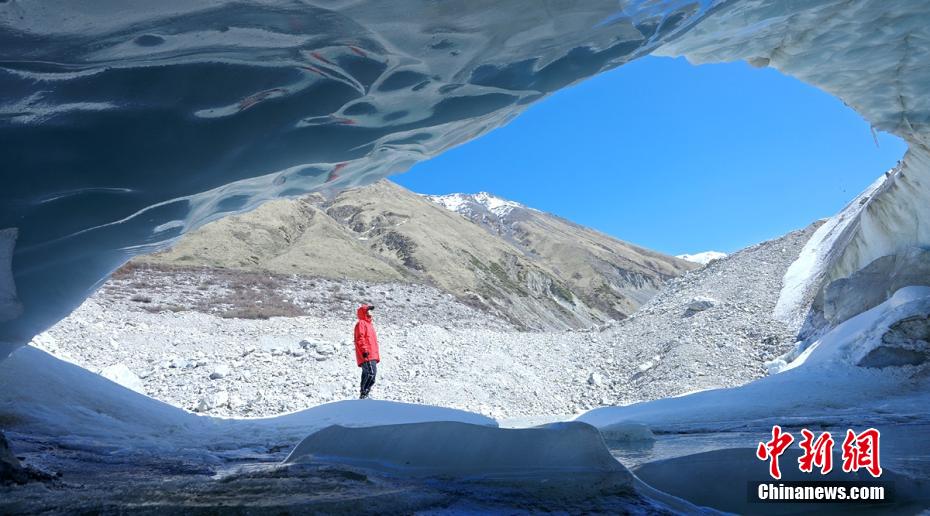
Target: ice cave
124, 125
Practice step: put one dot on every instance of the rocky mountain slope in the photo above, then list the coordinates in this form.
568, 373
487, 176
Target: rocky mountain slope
708, 329
613, 276
533, 269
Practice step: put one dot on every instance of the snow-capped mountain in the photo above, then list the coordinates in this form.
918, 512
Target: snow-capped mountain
479, 203
494, 213
611, 275
702, 258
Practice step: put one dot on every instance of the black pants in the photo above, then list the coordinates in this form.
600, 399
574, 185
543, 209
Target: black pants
369, 370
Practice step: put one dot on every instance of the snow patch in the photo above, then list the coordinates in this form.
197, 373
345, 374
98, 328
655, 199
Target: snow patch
806, 275
467, 204
703, 258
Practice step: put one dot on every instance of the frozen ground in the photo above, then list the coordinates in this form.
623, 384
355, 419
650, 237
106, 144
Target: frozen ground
116, 450
181, 333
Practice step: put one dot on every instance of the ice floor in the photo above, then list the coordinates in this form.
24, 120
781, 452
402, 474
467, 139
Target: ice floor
117, 450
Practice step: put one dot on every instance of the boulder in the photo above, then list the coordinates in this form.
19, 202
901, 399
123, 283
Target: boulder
325, 348
180, 363
700, 303
212, 401
278, 346
121, 374
220, 371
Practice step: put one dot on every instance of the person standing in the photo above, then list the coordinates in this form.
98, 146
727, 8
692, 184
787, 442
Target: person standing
366, 349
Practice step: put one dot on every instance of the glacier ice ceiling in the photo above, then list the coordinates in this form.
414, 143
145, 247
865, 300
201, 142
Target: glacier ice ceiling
124, 124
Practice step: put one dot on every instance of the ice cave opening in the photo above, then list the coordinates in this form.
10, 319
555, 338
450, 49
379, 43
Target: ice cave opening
123, 128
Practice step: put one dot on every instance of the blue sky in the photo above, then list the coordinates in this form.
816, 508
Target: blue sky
675, 157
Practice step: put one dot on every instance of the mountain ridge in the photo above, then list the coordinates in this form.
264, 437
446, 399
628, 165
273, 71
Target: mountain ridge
531, 268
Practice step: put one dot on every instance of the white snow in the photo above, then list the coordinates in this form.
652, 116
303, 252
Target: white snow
452, 202
806, 275
850, 341
466, 204
703, 258
498, 206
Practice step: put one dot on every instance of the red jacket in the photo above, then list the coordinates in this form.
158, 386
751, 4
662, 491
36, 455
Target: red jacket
366, 342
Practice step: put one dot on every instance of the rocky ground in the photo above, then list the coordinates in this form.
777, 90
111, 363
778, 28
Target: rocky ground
707, 329
253, 344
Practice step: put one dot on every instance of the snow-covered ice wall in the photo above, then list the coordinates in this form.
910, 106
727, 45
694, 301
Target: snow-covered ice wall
124, 124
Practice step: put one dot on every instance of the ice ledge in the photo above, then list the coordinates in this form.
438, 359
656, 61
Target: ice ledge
463, 450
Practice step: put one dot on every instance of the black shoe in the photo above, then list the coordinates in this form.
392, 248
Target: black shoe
363, 396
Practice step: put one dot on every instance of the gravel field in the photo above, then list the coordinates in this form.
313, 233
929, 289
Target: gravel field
707, 329
248, 344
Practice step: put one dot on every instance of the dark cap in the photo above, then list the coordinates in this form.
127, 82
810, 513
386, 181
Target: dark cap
371, 307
